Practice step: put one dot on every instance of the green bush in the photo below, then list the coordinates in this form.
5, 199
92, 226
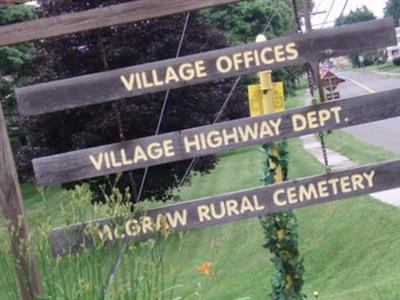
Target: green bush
144, 271
396, 61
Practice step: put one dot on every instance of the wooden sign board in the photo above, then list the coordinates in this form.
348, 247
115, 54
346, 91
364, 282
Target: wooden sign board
204, 67
206, 140
227, 208
100, 17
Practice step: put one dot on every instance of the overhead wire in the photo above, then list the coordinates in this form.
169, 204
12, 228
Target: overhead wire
164, 106
194, 161
118, 260
328, 14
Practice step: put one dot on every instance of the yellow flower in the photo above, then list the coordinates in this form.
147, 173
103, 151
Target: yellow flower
206, 268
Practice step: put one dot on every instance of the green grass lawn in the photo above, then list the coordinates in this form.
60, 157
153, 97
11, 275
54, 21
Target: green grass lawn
387, 67
351, 248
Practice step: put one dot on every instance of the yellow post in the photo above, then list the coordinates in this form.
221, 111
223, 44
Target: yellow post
268, 92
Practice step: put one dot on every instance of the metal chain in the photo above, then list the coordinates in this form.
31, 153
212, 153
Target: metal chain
321, 134
312, 87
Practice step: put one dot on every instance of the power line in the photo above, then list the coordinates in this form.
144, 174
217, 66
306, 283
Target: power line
194, 161
178, 53
219, 115
341, 15
343, 9
318, 5
116, 265
328, 14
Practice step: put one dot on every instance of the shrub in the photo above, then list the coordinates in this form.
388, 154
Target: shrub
396, 61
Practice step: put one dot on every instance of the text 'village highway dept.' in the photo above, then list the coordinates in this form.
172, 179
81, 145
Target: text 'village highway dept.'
212, 140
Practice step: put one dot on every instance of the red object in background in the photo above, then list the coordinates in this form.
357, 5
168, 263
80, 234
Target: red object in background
330, 81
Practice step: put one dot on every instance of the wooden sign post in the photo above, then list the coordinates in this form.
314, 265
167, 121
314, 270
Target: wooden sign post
175, 73
212, 139
227, 208
203, 67
129, 12
11, 204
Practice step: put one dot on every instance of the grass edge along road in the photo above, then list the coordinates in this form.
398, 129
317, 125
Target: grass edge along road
351, 248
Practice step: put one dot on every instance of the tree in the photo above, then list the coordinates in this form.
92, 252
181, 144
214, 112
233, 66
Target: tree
355, 16
392, 8
243, 21
14, 69
116, 47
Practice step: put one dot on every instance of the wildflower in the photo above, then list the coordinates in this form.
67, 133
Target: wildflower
165, 230
206, 268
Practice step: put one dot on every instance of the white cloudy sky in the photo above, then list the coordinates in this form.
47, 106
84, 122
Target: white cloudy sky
376, 6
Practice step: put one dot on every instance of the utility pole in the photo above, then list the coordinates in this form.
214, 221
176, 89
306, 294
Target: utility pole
12, 207
314, 66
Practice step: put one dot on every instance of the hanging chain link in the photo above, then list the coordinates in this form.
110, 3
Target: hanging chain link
312, 85
321, 135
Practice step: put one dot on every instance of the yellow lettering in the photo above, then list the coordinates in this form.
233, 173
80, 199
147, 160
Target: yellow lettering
170, 75
232, 207
370, 178
224, 64
139, 154
345, 184
97, 162
203, 212
128, 83
178, 218
279, 53
200, 69
291, 49
299, 122
276, 199
323, 189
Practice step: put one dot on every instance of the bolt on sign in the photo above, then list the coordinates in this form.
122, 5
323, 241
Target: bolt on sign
227, 208
206, 140
204, 67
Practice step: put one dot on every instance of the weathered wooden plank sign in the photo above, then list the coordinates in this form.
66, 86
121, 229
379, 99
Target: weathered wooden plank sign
227, 208
204, 67
12, 208
216, 138
100, 17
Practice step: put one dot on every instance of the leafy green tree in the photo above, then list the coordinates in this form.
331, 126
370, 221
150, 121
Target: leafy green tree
116, 47
14, 69
360, 14
243, 21
355, 16
392, 8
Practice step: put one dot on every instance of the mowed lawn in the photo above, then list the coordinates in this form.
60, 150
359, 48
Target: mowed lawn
351, 248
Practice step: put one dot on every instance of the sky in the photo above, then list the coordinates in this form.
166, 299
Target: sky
376, 6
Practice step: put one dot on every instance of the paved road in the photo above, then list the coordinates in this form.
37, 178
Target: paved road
383, 133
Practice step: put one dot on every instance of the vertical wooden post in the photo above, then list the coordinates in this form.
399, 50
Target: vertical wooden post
11, 205
314, 66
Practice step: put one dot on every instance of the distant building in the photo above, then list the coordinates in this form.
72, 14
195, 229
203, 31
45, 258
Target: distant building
394, 51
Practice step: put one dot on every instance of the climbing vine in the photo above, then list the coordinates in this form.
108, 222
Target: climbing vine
281, 233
